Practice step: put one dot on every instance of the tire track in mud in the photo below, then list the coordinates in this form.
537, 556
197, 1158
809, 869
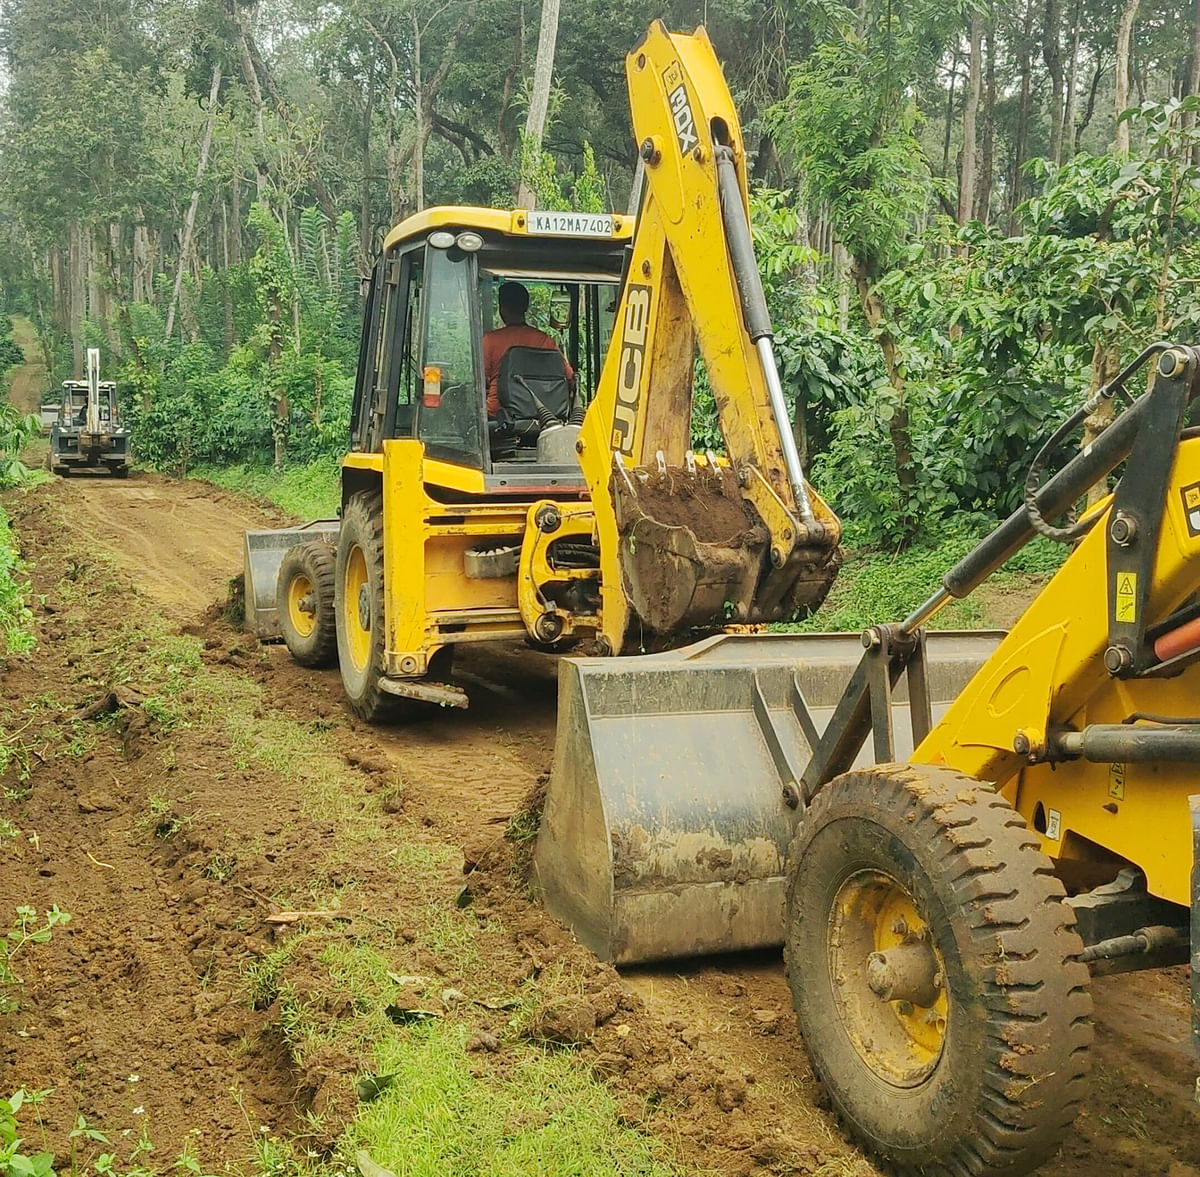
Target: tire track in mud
182, 543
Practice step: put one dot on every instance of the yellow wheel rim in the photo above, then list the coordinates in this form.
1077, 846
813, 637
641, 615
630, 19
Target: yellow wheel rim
302, 605
888, 978
356, 617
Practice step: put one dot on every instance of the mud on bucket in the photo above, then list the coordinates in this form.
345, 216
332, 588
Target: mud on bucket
691, 555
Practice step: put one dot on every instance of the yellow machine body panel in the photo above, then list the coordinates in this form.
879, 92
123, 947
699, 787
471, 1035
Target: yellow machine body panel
1049, 674
430, 602
513, 222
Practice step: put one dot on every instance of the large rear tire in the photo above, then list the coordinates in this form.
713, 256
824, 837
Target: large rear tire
935, 974
304, 595
358, 597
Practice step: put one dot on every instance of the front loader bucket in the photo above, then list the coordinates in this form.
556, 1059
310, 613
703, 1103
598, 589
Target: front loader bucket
665, 830
263, 553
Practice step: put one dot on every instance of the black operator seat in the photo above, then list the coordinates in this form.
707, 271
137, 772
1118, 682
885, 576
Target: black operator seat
534, 391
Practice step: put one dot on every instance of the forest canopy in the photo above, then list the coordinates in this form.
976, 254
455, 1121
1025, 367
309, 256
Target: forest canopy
967, 215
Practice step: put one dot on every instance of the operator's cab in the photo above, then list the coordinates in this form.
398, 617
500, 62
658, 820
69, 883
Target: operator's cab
432, 297
72, 412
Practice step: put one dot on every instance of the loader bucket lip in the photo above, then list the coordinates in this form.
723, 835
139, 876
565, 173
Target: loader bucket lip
666, 827
262, 554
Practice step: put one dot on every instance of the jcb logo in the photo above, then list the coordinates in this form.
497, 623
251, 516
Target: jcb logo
685, 121
629, 374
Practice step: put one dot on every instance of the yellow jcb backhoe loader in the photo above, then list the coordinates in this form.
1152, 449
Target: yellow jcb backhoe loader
85, 433
946, 856
578, 509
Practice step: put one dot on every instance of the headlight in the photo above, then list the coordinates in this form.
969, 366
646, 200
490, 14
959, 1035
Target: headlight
441, 239
469, 242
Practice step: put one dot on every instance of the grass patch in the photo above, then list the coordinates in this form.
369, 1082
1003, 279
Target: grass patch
16, 619
874, 587
435, 1107
544, 1114
308, 492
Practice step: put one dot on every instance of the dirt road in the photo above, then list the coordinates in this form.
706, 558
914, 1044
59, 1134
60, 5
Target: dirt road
29, 380
179, 542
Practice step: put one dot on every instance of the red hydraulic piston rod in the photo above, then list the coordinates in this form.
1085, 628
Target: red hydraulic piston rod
1178, 641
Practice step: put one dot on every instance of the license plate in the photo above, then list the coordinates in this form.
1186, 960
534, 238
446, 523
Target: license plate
564, 224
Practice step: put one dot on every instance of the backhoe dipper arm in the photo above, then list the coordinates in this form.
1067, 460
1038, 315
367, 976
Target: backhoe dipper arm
692, 282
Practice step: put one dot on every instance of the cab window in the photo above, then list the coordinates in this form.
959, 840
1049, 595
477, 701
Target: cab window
450, 413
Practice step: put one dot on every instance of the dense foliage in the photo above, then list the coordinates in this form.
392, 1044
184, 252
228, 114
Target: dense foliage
961, 229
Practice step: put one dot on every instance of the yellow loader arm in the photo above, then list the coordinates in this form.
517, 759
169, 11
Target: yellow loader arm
692, 540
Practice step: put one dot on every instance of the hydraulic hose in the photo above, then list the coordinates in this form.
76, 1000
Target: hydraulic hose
1069, 534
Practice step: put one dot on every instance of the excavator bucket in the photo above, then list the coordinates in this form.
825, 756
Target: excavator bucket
673, 798
692, 556
688, 549
263, 553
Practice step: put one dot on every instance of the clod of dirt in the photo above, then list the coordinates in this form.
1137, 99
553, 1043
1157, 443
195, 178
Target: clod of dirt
482, 1040
610, 1063
730, 1092
111, 701
97, 803
368, 763
570, 1020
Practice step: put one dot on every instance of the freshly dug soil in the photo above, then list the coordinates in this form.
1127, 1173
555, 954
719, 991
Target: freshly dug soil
171, 845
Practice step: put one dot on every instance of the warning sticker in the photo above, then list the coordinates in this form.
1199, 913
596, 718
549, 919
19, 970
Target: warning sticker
1116, 782
1191, 508
1053, 825
1127, 596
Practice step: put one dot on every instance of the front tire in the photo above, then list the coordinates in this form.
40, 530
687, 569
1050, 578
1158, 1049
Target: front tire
935, 975
304, 593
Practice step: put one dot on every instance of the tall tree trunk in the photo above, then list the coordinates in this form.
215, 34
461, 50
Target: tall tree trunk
949, 127
364, 196
189, 220
1052, 56
1093, 90
967, 169
141, 258
1194, 81
235, 207
1124, 44
539, 98
61, 286
1071, 113
875, 311
1106, 359
418, 159
841, 265
1024, 56
95, 298
226, 293
987, 162
254, 89
78, 297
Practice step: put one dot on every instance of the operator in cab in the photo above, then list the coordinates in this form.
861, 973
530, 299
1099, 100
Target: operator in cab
513, 303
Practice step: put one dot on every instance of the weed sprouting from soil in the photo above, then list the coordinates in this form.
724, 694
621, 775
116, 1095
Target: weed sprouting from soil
27, 927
